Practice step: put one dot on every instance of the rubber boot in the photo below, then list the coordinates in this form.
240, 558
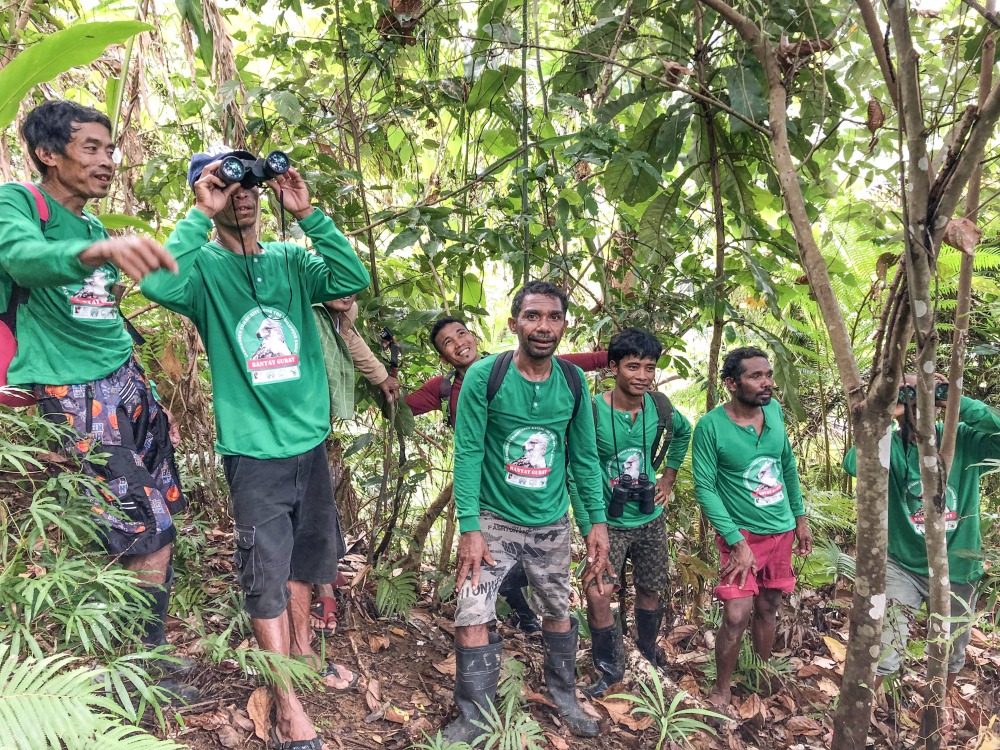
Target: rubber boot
608, 652
477, 672
647, 628
168, 675
560, 678
523, 617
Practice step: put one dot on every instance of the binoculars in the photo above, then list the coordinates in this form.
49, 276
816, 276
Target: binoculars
909, 393
632, 489
251, 173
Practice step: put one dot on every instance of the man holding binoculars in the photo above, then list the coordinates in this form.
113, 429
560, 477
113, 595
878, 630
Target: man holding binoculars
906, 571
252, 304
635, 430
747, 484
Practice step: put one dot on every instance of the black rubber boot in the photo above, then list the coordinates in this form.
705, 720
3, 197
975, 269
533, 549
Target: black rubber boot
523, 617
647, 627
608, 652
560, 678
477, 672
168, 675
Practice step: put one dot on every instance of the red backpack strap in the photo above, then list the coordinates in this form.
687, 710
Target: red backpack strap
40, 205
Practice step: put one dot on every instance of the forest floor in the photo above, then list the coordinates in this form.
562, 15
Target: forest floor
407, 675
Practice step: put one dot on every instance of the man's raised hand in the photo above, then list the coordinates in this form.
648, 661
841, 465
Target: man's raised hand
210, 193
293, 192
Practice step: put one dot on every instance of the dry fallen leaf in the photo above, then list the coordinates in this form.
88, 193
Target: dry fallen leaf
398, 631
239, 719
620, 713
229, 737
533, 697
378, 642
557, 742
396, 715
837, 649
803, 725
259, 710
752, 707
373, 694
446, 667
828, 686
211, 720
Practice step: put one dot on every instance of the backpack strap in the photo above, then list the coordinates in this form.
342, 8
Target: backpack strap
444, 395
572, 375
664, 428
18, 294
498, 372
40, 204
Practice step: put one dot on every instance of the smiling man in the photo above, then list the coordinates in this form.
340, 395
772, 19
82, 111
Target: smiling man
58, 269
519, 419
633, 439
747, 484
272, 408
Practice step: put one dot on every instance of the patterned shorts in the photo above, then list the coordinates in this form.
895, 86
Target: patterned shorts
542, 550
646, 547
118, 417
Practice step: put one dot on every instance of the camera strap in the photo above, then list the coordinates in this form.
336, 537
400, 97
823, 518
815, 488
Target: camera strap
246, 262
614, 435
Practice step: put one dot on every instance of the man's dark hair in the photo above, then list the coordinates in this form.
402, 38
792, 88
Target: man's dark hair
440, 324
732, 366
537, 287
51, 125
634, 342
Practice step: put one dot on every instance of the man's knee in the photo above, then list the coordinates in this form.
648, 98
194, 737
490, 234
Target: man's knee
736, 613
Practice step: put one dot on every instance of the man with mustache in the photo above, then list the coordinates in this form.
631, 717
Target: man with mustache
627, 424
508, 512
458, 348
58, 267
272, 414
755, 521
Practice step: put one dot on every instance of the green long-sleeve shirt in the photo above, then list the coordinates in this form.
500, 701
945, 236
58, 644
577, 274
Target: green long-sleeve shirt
510, 455
978, 438
70, 330
268, 378
743, 480
630, 458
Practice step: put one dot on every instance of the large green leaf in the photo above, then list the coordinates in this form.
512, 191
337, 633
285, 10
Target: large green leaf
78, 45
492, 86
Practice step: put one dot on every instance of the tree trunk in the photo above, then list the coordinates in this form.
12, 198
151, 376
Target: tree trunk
415, 554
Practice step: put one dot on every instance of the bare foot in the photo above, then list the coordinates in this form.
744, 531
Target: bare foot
720, 698
339, 677
291, 722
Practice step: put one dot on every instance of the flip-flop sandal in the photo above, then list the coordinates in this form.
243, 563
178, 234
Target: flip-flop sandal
330, 669
324, 609
316, 743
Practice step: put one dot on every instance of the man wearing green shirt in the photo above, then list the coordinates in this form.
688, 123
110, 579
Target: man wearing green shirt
627, 422
511, 502
906, 582
747, 484
252, 304
57, 276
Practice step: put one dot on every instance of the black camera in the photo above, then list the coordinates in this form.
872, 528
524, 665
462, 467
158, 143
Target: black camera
632, 489
251, 173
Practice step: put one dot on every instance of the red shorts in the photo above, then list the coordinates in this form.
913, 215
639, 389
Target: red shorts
774, 564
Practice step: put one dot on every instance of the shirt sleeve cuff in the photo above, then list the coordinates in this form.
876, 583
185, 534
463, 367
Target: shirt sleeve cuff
733, 537
584, 525
468, 523
314, 221
598, 516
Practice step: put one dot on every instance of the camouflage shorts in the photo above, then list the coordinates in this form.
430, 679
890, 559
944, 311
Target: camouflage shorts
646, 547
542, 550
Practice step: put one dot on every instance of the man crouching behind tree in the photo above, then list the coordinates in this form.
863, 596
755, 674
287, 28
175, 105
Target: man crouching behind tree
519, 416
252, 305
